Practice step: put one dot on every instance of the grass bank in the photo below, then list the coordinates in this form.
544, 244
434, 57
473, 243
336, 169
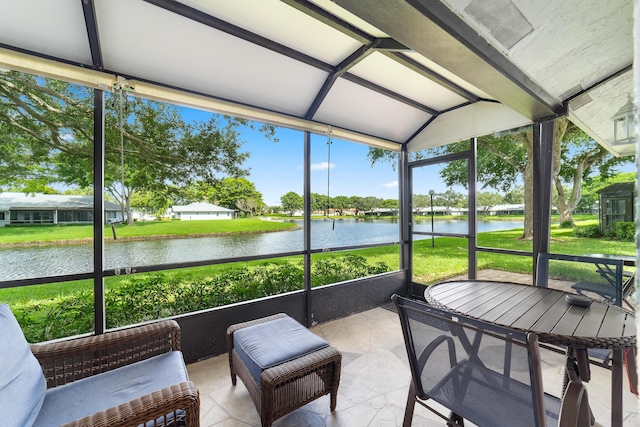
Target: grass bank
138, 230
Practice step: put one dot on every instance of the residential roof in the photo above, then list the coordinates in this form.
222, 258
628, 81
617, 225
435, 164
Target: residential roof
388, 73
14, 201
201, 207
619, 187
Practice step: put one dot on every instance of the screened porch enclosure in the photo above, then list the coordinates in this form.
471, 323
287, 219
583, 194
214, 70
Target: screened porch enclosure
400, 76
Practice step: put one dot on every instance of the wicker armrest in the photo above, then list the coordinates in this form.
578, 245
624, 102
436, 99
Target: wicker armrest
183, 396
66, 361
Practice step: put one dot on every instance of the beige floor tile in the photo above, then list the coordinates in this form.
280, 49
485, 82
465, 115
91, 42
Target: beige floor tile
374, 383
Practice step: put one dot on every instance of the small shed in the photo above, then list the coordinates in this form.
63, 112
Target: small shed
202, 211
617, 204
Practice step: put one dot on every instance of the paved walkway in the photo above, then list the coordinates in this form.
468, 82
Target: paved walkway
527, 279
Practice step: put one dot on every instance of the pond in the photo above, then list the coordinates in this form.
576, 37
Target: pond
53, 260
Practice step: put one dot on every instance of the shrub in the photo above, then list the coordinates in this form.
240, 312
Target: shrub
624, 230
589, 231
566, 224
153, 296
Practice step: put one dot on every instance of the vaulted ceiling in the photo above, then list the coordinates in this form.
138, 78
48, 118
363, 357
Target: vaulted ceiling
383, 72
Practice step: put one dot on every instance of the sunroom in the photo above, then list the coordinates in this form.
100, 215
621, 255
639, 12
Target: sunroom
315, 81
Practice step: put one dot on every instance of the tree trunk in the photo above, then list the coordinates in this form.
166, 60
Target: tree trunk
566, 205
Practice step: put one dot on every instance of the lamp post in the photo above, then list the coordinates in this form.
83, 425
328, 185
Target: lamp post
431, 193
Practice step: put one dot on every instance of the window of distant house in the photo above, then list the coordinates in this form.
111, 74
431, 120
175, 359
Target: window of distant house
1, 216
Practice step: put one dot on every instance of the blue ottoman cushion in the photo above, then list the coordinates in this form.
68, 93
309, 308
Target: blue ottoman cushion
266, 345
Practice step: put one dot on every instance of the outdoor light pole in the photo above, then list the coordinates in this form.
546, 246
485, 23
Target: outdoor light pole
431, 193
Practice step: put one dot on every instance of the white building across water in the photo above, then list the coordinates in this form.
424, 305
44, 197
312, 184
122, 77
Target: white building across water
37, 208
202, 210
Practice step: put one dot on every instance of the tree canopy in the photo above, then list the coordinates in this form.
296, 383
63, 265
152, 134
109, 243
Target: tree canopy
504, 164
47, 137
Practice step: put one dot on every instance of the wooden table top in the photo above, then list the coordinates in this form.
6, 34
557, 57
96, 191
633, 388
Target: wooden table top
540, 310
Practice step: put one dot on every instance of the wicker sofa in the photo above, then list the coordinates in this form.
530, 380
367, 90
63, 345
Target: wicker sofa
131, 377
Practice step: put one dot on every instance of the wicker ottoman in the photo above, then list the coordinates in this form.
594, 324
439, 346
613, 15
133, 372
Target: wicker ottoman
283, 365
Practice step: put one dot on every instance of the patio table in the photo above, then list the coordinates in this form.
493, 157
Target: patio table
545, 312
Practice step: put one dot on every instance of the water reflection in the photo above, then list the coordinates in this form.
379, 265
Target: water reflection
39, 261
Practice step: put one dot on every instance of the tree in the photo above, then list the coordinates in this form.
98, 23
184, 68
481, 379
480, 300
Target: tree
592, 185
390, 204
47, 129
421, 200
515, 195
486, 200
340, 203
320, 203
363, 204
574, 160
249, 205
503, 158
291, 202
230, 191
156, 202
451, 199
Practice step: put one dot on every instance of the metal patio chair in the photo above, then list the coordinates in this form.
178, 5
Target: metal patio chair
484, 373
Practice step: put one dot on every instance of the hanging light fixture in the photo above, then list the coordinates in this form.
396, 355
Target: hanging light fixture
624, 124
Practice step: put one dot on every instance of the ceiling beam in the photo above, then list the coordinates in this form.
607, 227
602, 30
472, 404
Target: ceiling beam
431, 29
331, 20
89, 12
339, 70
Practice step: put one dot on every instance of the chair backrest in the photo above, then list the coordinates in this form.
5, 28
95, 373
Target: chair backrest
598, 277
485, 373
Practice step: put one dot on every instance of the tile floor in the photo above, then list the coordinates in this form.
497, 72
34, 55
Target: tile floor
374, 382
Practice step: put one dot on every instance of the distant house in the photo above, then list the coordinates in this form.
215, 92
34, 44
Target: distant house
505, 209
21, 208
437, 210
201, 210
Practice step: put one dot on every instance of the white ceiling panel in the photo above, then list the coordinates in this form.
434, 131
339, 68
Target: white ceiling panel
529, 56
170, 49
283, 24
481, 118
55, 27
389, 74
352, 106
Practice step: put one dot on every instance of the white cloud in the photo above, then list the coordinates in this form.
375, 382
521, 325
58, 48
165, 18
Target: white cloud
322, 166
393, 184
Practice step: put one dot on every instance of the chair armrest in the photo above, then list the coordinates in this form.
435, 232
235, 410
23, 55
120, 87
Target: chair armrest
66, 361
139, 411
574, 409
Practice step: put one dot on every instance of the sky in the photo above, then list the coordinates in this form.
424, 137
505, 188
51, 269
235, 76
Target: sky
341, 169
276, 168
